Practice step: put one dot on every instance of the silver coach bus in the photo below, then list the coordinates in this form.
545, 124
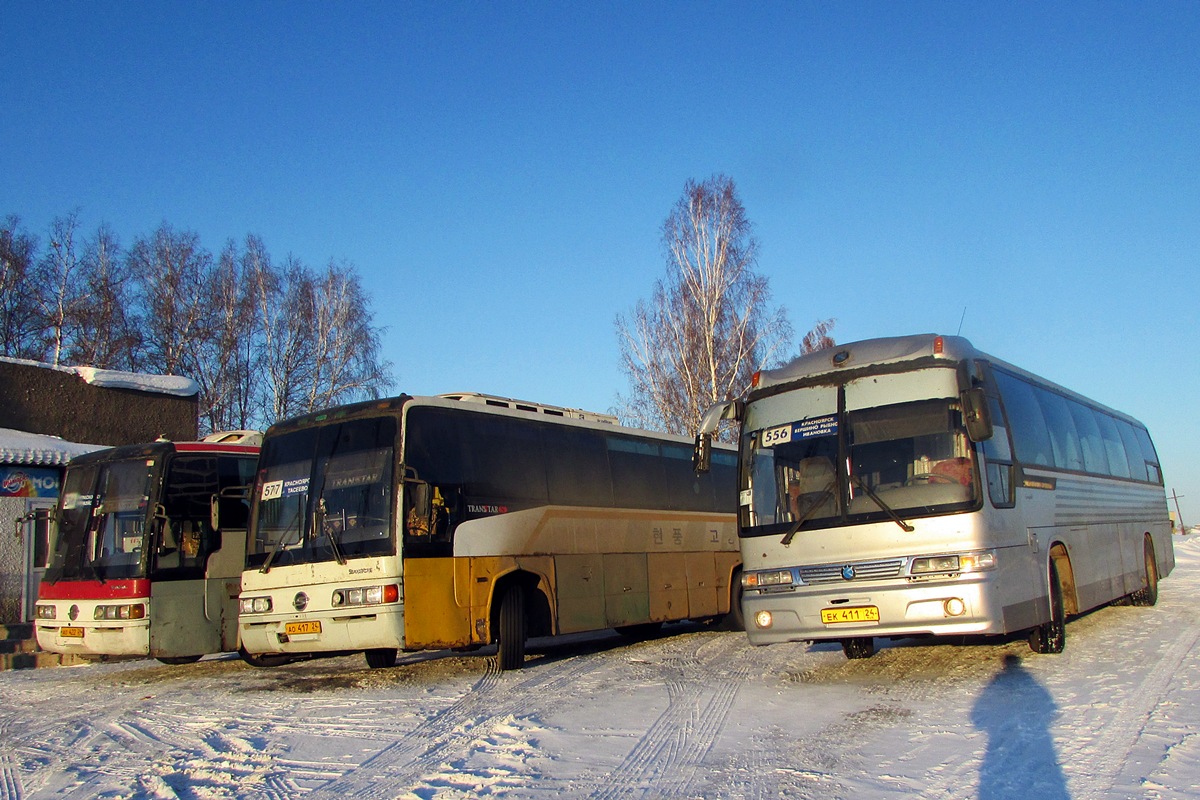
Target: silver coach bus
916, 486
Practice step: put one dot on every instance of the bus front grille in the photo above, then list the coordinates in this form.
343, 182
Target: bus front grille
855, 571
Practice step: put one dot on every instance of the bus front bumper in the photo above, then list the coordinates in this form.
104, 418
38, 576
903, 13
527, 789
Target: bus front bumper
381, 627
839, 611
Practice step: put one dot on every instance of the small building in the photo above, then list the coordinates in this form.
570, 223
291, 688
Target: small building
50, 414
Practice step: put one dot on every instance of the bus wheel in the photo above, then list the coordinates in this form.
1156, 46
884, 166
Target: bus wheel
862, 647
735, 620
381, 658
176, 660
265, 659
1051, 637
1149, 595
512, 628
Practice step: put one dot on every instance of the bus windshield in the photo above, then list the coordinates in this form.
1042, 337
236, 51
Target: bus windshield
103, 521
903, 460
324, 494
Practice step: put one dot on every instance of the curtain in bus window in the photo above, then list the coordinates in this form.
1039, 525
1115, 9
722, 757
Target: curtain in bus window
1153, 470
1064, 437
1031, 440
1114, 448
1094, 458
686, 491
1133, 451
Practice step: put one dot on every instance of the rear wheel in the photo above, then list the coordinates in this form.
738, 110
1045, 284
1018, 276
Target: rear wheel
1149, 595
1051, 637
512, 628
381, 658
861, 647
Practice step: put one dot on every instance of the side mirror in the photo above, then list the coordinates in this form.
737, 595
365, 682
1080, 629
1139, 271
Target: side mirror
229, 508
977, 415
702, 453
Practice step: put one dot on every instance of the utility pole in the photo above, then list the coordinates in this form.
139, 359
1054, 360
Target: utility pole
1178, 513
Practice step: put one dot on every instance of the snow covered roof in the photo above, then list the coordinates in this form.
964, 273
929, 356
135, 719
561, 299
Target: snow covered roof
36, 449
176, 385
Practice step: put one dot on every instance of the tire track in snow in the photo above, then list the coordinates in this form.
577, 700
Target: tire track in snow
10, 775
668, 759
1122, 733
495, 697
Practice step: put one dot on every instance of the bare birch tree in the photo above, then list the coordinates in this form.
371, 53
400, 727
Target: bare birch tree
104, 328
20, 324
345, 347
708, 326
172, 270
58, 284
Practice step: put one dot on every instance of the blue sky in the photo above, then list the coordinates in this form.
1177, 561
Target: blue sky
498, 173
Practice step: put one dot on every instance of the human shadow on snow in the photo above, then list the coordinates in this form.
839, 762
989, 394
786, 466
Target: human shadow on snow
1016, 713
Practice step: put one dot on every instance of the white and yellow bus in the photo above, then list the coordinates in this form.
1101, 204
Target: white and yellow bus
916, 486
457, 521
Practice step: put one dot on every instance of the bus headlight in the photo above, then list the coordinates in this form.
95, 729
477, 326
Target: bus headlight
45, 612
255, 605
950, 563
366, 595
777, 577
134, 611
763, 619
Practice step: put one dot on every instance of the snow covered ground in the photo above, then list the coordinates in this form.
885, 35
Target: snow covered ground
697, 714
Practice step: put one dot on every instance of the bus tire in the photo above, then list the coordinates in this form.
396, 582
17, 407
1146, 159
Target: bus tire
859, 647
1051, 636
735, 620
264, 660
1149, 595
511, 650
177, 660
381, 658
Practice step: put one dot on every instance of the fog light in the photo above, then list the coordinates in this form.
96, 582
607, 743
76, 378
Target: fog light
955, 607
763, 619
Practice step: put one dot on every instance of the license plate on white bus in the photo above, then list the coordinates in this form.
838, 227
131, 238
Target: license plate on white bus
71, 633
301, 628
833, 616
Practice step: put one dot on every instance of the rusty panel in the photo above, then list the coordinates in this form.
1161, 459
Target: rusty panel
626, 596
580, 584
702, 585
667, 575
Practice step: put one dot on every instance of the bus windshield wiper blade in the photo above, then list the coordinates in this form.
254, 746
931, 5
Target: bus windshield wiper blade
266, 567
879, 502
333, 539
807, 515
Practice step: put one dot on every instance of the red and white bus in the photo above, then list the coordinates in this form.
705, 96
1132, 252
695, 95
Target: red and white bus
149, 550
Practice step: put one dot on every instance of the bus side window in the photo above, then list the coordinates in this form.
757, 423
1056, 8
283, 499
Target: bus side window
997, 452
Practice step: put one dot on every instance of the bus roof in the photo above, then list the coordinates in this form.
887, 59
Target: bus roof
889, 354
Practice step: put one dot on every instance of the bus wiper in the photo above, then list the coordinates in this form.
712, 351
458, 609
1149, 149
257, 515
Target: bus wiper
826, 494
879, 502
266, 567
333, 540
